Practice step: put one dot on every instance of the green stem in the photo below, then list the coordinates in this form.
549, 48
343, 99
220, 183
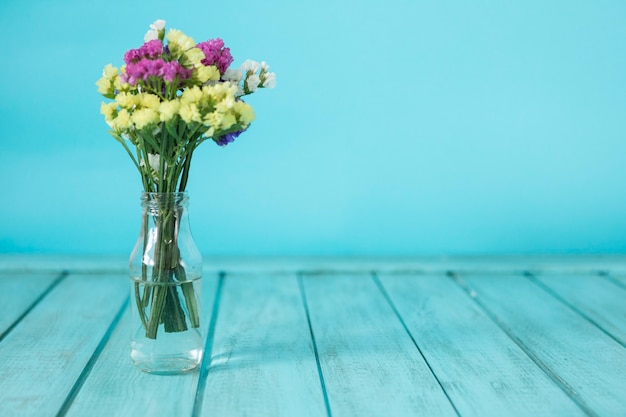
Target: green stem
127, 149
159, 279
140, 307
190, 296
173, 316
185, 173
160, 292
166, 306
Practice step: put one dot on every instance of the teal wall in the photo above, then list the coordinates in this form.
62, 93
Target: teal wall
397, 127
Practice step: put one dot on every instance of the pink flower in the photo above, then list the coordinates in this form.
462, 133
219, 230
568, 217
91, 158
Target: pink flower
144, 69
173, 69
152, 49
216, 54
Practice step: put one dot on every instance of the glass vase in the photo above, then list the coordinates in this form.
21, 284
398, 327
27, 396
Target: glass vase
165, 275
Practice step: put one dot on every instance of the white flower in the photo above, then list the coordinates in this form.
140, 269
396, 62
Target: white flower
158, 24
264, 66
269, 80
155, 28
154, 159
233, 75
250, 65
252, 82
151, 35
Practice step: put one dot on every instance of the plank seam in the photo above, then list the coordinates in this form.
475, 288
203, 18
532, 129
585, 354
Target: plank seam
613, 280
92, 360
315, 351
43, 295
532, 278
387, 297
562, 384
208, 348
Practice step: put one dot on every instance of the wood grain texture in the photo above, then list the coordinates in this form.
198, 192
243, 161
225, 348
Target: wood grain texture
116, 388
619, 278
320, 264
41, 359
370, 365
498, 336
581, 358
483, 371
18, 293
596, 297
262, 362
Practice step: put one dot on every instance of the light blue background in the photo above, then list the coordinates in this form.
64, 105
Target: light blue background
397, 128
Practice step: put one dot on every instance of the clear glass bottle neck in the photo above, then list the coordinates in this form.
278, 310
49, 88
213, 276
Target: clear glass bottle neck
161, 201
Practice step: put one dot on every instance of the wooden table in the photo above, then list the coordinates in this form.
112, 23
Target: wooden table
500, 336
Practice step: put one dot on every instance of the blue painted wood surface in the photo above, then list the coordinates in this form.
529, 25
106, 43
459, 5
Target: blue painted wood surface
434, 337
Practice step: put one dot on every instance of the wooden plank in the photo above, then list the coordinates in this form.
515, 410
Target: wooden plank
370, 365
597, 298
116, 388
262, 362
482, 370
18, 293
319, 264
41, 359
619, 278
584, 361
78, 264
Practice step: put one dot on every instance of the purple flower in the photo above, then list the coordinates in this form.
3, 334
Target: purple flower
228, 138
151, 50
142, 69
131, 56
216, 54
145, 68
154, 67
173, 69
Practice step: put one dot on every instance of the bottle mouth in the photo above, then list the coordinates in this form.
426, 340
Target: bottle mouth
164, 200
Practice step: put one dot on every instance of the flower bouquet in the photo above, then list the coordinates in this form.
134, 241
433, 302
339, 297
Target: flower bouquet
170, 96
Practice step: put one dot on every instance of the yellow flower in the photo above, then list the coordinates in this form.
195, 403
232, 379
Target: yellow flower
245, 111
106, 83
168, 109
104, 86
192, 57
109, 110
213, 119
178, 42
150, 101
219, 120
228, 121
189, 113
122, 121
192, 95
225, 104
121, 86
204, 74
220, 91
109, 71
118, 84
126, 100
144, 117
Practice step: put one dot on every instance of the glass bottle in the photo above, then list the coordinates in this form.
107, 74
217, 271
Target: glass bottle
165, 293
